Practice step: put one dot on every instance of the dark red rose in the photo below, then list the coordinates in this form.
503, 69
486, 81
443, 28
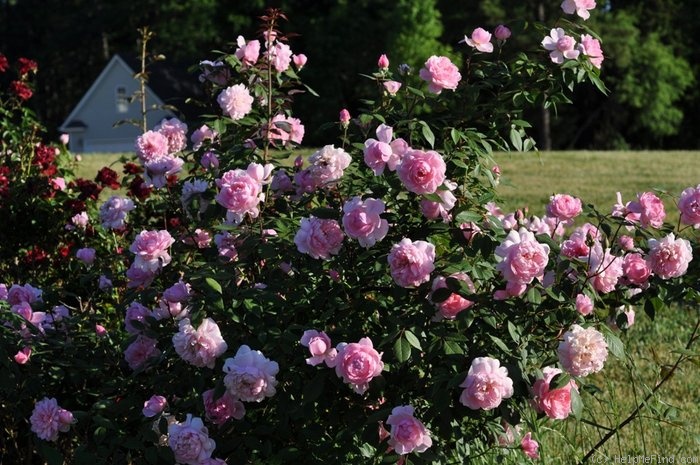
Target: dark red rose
132, 168
139, 189
107, 177
4, 64
25, 65
88, 189
21, 90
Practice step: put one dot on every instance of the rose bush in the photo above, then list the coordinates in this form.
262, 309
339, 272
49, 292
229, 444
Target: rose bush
188, 335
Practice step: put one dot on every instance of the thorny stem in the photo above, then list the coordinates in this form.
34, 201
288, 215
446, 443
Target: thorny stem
635, 413
146, 35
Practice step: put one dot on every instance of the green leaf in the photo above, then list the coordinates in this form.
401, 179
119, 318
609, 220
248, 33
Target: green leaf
559, 381
402, 349
212, 283
516, 139
51, 455
428, 134
501, 345
453, 348
576, 404
412, 339
440, 295
615, 345
467, 217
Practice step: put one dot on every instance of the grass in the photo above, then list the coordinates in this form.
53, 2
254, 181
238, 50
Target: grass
670, 423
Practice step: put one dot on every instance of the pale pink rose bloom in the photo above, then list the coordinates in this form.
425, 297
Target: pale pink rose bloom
539, 225
584, 304
486, 385
22, 356
411, 262
362, 222
449, 309
440, 73
560, 46
151, 146
250, 376
27, 293
158, 171
240, 192
382, 152
64, 138
583, 351
344, 117
502, 32
433, 210
281, 182
280, 56
529, 446
604, 269
649, 208
114, 211
178, 292
669, 257
580, 7
86, 255
154, 406
140, 352
190, 441
328, 164
522, 257
358, 363
689, 206
80, 220
235, 101
480, 40
151, 249
202, 134
555, 403
320, 347
226, 243
576, 246
136, 312
175, 131
200, 239
319, 238
636, 269
247, 52
590, 47
622, 210
58, 184
48, 419
422, 172
300, 60
220, 410
383, 62
626, 242
408, 434
199, 347
392, 87
564, 207
286, 129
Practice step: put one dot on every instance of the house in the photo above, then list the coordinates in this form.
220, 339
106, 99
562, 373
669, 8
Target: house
92, 125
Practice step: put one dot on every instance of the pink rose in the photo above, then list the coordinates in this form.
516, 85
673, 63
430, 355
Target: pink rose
604, 269
319, 238
22, 356
48, 419
486, 385
203, 133
202, 346
190, 441
529, 446
247, 52
583, 351
286, 129
64, 138
564, 207
151, 249
320, 347
140, 352
175, 131
669, 257
649, 208
250, 376
470, 230
20, 294
689, 206
455, 303
433, 210
382, 152
383, 62
154, 406
626, 242
584, 304
636, 269
576, 246
220, 410
522, 257
440, 73
58, 184
560, 46
358, 363
502, 32
392, 87
555, 403
422, 172
407, 433
411, 262
240, 192
580, 7
344, 117
328, 165
114, 211
151, 146
136, 313
361, 220
300, 60
591, 48
480, 40
235, 101
280, 55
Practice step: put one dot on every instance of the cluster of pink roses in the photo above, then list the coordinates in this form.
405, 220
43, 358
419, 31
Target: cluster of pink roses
241, 191
151, 254
158, 148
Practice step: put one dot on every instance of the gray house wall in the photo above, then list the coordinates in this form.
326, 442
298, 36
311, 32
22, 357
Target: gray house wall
91, 123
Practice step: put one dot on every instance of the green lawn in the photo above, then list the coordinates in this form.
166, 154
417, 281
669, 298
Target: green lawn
670, 425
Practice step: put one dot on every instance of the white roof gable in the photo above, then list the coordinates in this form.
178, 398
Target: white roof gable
115, 65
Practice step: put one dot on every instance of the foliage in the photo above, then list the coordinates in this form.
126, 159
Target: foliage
231, 248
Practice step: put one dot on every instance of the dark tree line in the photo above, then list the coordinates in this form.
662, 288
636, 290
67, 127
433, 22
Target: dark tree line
651, 53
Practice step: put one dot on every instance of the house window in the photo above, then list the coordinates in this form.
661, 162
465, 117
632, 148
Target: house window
122, 100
